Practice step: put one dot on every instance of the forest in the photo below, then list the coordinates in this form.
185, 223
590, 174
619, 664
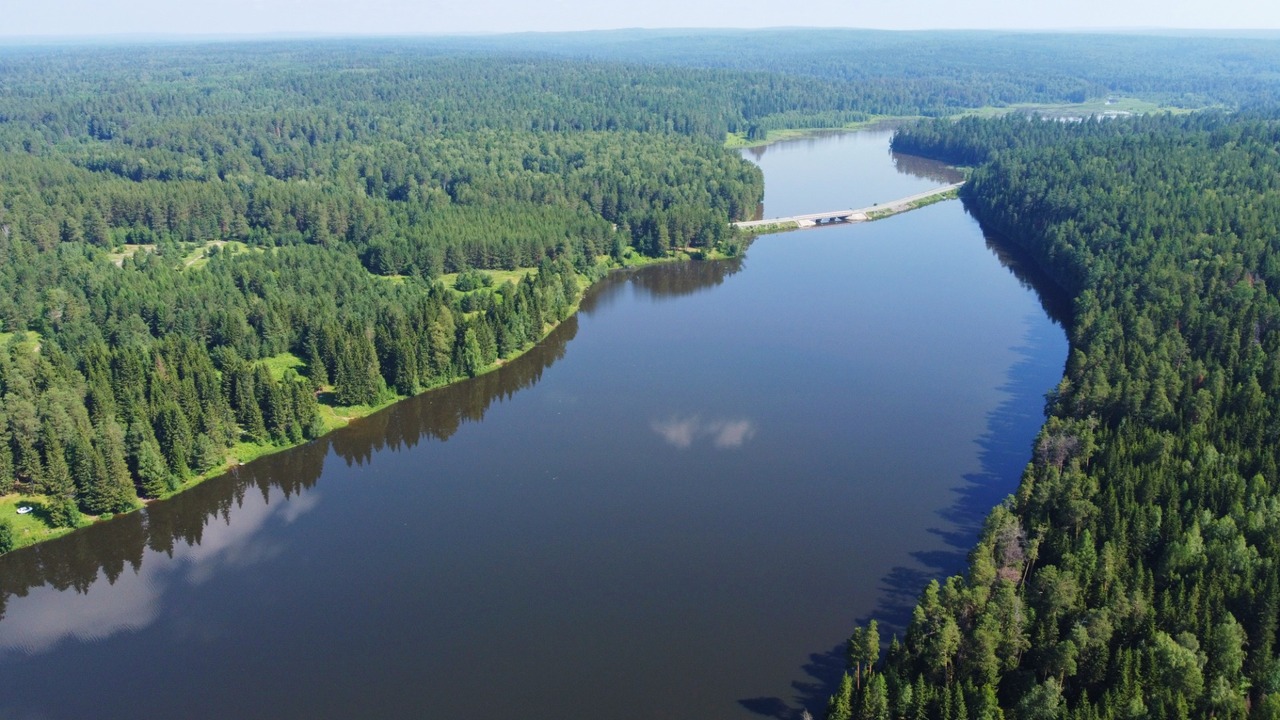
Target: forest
212, 250
1134, 572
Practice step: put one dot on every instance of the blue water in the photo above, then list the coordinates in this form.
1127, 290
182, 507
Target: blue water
677, 507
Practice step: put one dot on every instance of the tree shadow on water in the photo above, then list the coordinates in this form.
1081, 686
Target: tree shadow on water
1004, 449
822, 677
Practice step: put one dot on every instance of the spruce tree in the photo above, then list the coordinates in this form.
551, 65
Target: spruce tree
154, 476
7, 470
56, 481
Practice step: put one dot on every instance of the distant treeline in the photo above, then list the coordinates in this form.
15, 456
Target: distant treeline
1135, 572
938, 73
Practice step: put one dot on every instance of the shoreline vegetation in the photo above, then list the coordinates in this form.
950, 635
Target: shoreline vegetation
37, 525
1146, 526
40, 524
1134, 573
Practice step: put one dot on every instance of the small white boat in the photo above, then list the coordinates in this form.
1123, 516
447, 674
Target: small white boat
24, 509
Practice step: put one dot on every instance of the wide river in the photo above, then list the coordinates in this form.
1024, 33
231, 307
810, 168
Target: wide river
678, 506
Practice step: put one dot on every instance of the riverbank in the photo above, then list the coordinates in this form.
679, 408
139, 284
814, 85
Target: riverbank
38, 525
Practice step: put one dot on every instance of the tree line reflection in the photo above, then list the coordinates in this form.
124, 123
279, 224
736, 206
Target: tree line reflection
172, 527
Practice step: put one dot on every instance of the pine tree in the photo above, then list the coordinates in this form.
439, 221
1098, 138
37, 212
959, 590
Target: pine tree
64, 513
175, 438
358, 380
26, 428
875, 700
275, 415
206, 455
472, 360
7, 470
153, 473
244, 401
840, 706
862, 651
316, 369
117, 493
56, 481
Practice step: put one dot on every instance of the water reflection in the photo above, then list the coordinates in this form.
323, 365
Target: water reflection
534, 547
681, 279
662, 282
683, 432
925, 169
1054, 300
195, 532
219, 524
440, 413
1004, 451
137, 598
1005, 445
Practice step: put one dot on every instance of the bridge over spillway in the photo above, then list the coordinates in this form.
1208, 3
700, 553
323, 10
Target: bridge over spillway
848, 216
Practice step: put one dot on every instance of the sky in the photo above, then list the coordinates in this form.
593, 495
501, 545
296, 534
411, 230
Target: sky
36, 18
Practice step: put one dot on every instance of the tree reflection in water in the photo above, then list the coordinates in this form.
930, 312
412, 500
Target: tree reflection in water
177, 527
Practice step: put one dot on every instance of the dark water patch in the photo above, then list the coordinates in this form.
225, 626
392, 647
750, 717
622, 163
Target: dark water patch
1054, 299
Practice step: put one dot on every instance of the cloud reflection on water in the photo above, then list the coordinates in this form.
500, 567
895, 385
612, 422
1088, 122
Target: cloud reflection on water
682, 432
46, 616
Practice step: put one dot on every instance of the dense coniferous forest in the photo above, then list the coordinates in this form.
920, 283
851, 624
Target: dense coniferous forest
1134, 573
206, 248
938, 73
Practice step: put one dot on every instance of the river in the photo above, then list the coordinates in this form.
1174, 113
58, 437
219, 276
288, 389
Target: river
676, 507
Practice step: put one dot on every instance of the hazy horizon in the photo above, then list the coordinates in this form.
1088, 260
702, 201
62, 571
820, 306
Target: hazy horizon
162, 19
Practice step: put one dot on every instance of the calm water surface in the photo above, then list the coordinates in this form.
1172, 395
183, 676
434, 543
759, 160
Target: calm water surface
676, 507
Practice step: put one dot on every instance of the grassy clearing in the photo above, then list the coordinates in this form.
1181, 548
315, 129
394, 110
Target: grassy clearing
278, 364
344, 414
28, 340
499, 276
128, 251
199, 257
33, 527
